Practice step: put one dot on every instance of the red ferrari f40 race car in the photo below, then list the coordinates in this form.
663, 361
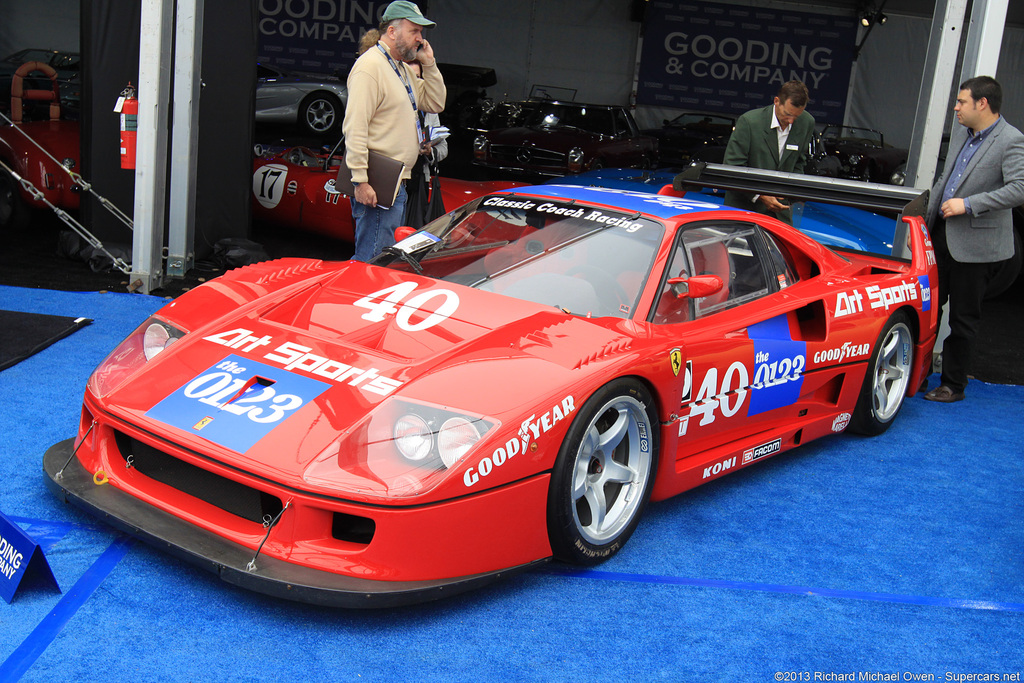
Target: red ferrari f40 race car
511, 384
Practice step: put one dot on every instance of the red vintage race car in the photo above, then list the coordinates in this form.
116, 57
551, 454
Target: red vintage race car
512, 383
40, 152
294, 188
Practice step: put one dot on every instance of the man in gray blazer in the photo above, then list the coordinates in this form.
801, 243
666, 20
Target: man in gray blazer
970, 219
774, 138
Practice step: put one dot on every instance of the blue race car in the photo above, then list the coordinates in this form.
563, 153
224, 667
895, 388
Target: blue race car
831, 224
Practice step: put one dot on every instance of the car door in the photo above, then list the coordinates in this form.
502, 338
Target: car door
744, 345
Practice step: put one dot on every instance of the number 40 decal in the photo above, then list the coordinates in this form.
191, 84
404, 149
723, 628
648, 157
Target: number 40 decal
389, 302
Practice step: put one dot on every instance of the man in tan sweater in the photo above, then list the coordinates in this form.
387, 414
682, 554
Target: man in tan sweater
383, 98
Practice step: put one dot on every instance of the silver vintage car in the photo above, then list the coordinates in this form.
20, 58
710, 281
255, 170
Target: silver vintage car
316, 102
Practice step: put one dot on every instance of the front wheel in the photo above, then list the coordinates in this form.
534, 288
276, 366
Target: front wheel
320, 113
604, 474
887, 379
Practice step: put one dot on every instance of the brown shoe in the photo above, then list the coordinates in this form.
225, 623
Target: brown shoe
944, 394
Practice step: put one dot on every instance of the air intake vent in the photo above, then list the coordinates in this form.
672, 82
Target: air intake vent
230, 496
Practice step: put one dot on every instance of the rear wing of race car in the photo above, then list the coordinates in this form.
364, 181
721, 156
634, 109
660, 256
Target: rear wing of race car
888, 199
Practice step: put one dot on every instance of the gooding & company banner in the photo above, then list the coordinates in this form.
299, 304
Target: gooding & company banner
732, 58
315, 36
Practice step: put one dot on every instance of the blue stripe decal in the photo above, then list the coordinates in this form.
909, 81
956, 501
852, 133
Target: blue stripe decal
50, 627
793, 590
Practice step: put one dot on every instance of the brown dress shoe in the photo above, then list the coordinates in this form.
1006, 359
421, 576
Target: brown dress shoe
944, 394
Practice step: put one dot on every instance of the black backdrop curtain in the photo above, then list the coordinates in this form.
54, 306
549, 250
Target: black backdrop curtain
110, 53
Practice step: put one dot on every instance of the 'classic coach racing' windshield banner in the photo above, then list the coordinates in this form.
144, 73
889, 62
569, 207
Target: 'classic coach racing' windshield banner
316, 36
732, 58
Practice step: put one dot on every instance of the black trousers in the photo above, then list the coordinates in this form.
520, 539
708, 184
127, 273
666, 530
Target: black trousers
963, 285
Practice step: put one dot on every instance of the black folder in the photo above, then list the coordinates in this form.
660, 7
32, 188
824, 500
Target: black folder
384, 173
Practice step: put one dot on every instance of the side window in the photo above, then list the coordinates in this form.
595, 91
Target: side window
746, 259
780, 268
669, 308
749, 263
621, 123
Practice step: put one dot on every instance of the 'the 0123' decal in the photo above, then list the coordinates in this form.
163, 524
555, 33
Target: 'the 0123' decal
435, 305
236, 402
242, 396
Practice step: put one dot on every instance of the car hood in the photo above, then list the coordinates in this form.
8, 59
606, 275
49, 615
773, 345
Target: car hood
350, 358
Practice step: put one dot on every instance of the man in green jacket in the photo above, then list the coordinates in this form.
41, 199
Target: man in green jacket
776, 138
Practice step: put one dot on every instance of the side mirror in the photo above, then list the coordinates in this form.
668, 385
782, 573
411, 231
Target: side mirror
696, 287
403, 231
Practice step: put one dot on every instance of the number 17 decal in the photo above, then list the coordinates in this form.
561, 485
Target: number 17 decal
267, 184
385, 302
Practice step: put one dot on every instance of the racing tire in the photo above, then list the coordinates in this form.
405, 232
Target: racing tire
887, 379
604, 474
320, 113
14, 214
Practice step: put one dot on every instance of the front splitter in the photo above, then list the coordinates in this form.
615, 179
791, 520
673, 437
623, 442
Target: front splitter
229, 560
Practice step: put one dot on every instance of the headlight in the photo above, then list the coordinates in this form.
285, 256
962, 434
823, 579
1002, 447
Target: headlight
575, 160
456, 438
157, 337
480, 147
141, 346
401, 449
898, 177
413, 438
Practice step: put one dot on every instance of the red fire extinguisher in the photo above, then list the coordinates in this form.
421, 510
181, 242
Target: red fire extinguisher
128, 107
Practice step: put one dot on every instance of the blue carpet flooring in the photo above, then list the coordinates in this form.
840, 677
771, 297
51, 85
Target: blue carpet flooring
901, 555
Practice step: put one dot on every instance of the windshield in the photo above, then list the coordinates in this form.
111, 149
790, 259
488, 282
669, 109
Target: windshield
851, 134
592, 119
584, 260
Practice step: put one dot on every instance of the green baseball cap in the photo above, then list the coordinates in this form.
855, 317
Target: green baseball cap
401, 9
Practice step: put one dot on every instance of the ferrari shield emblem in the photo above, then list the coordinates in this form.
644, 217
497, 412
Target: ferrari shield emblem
676, 358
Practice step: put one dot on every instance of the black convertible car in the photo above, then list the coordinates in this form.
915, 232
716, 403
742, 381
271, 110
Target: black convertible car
863, 153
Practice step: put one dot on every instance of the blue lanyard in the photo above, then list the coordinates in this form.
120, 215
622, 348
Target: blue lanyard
408, 88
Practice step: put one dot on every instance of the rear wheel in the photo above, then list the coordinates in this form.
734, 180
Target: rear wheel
604, 474
888, 377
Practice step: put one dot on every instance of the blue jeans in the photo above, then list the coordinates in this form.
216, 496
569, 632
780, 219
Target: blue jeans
375, 226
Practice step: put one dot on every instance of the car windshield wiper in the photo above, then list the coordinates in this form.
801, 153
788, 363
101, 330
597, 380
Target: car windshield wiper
405, 256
